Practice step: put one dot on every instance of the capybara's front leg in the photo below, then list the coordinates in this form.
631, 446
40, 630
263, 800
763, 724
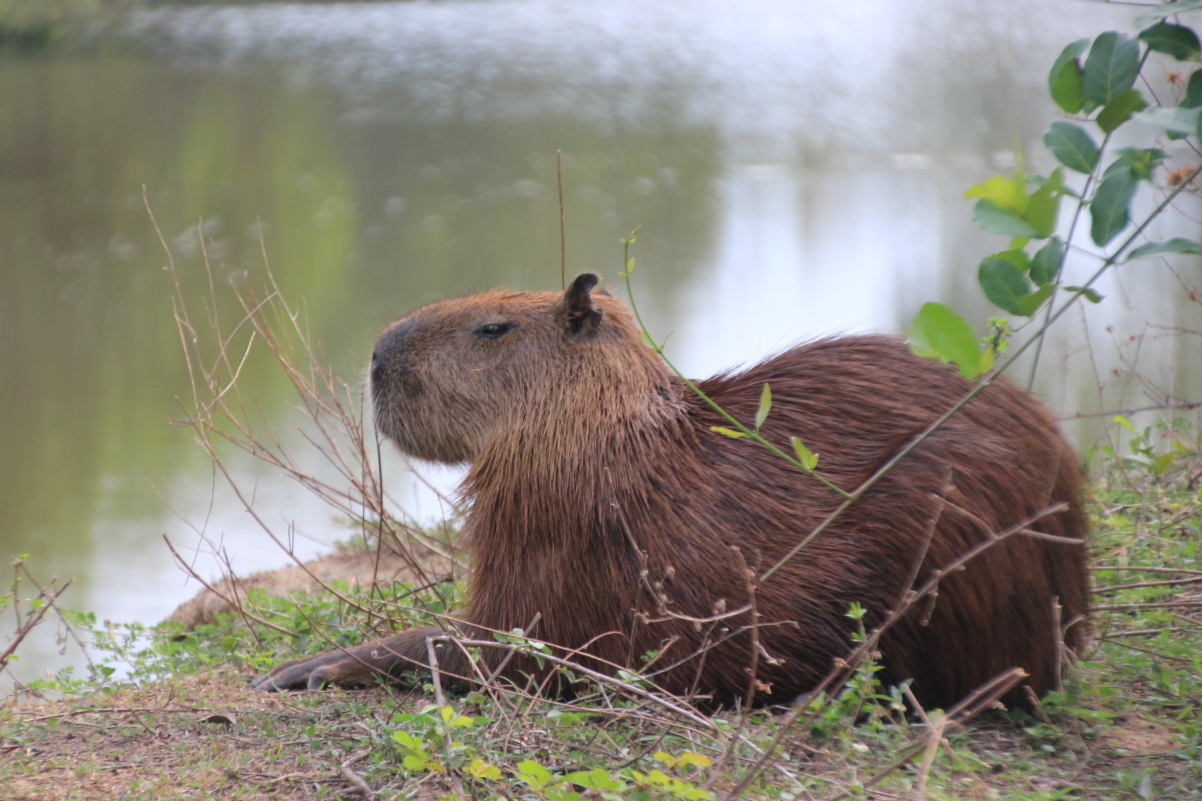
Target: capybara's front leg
353, 667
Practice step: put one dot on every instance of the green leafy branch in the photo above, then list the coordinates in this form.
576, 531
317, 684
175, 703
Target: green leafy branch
1099, 91
803, 459
1011, 279
984, 382
937, 329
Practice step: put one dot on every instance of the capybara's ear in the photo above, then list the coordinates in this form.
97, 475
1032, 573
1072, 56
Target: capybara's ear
582, 316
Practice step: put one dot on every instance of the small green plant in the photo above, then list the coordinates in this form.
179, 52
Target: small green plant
1144, 453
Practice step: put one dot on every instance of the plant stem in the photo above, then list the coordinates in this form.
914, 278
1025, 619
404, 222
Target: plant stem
985, 382
1068, 243
852, 497
751, 434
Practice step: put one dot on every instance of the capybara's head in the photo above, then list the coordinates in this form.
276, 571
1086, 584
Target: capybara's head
452, 376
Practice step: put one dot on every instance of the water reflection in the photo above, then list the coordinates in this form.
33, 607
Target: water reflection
797, 168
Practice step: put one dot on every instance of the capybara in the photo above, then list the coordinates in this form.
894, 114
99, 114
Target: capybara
602, 501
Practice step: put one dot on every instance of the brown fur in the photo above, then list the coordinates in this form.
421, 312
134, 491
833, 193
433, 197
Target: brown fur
586, 451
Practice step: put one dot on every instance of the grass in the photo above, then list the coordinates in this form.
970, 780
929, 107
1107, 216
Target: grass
183, 724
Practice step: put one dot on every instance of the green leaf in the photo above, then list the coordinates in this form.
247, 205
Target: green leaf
562, 794
808, 458
1177, 41
1181, 119
1029, 304
1045, 265
1003, 283
1193, 91
1072, 146
727, 432
695, 759
1016, 257
1008, 194
1086, 292
596, 779
1108, 209
1166, 10
1140, 162
939, 333
1192, 99
1125, 423
483, 770
1175, 245
415, 761
1120, 109
1162, 463
514, 637
1111, 67
761, 414
1064, 81
986, 361
988, 216
1044, 205
533, 774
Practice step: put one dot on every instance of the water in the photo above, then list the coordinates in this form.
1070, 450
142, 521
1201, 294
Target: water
797, 168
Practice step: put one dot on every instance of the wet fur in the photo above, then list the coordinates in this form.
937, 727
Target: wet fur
590, 462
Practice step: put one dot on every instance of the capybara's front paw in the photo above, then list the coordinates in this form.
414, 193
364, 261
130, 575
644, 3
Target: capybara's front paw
360, 666
336, 668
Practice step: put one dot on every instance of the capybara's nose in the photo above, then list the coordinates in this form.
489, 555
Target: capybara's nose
377, 366
389, 350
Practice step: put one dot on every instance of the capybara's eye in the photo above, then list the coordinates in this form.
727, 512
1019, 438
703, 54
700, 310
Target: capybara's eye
493, 330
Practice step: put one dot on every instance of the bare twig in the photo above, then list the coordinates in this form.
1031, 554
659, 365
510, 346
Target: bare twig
754, 658
973, 704
563, 240
1140, 585
33, 620
840, 673
439, 698
1058, 648
354, 779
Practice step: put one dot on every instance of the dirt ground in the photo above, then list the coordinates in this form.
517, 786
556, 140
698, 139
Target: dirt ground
203, 737
209, 736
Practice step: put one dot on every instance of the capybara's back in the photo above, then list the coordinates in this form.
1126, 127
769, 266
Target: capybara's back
999, 461
604, 505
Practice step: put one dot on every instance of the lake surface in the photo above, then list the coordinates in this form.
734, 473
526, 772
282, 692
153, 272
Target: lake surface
797, 170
